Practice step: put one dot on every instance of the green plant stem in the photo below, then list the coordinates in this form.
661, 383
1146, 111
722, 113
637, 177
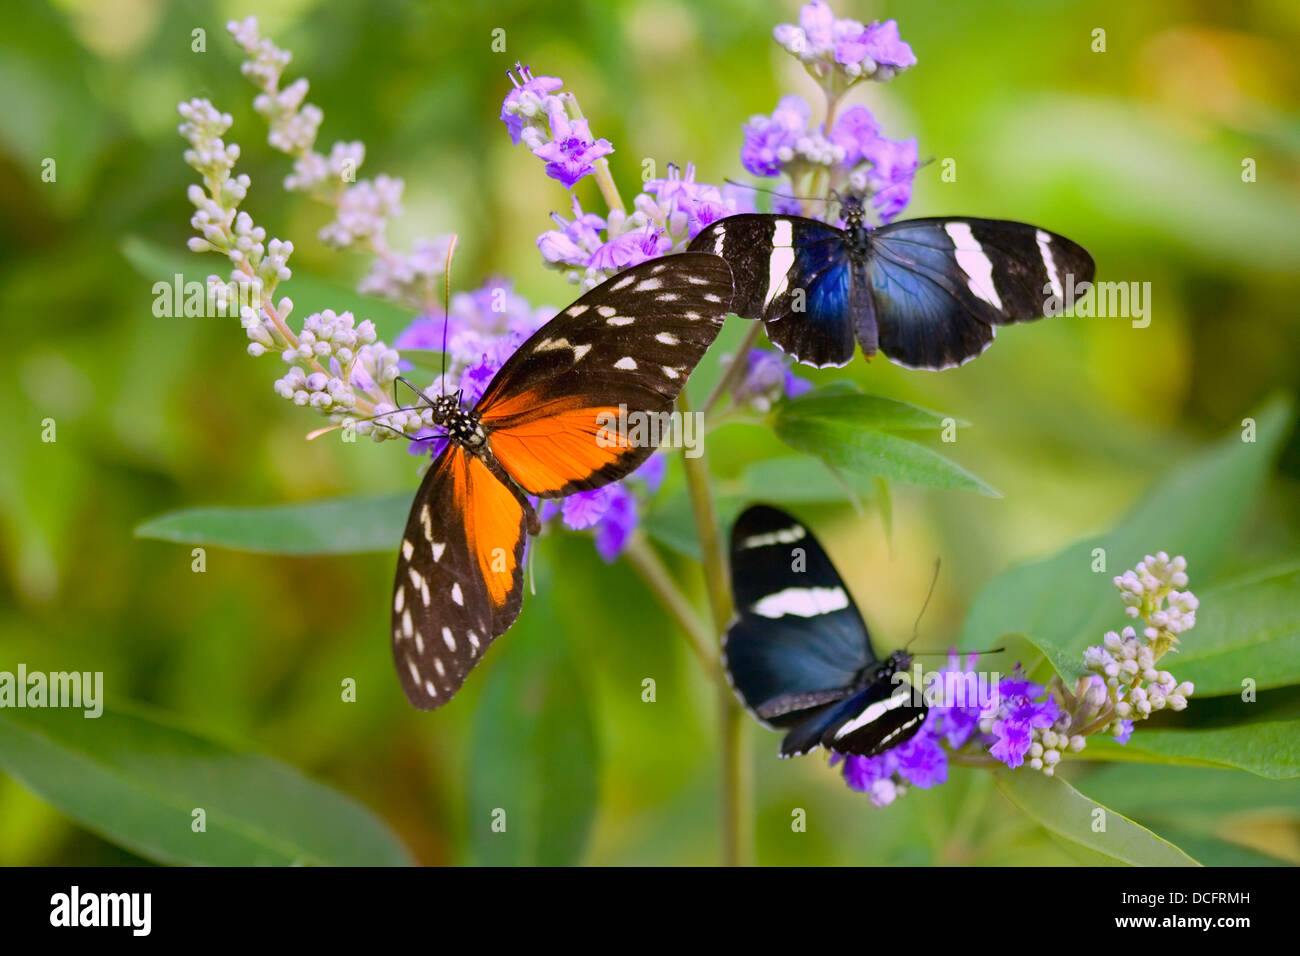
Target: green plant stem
735, 370
642, 556
737, 805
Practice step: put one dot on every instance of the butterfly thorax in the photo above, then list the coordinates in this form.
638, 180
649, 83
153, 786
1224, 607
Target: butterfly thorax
895, 663
462, 427
855, 228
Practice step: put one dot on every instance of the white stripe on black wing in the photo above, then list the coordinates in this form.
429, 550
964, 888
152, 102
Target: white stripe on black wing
874, 725
929, 293
795, 274
940, 286
797, 641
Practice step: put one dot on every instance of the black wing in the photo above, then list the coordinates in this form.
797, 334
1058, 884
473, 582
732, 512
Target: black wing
459, 578
882, 716
620, 354
940, 286
798, 641
797, 276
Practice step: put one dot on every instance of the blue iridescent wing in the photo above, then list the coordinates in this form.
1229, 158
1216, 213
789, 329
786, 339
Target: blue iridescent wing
939, 287
797, 276
798, 642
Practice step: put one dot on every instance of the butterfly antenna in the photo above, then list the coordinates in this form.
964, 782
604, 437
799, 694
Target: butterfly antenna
773, 192
446, 313
928, 594
991, 650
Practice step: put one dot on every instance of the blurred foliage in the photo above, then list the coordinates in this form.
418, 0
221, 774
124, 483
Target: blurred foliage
1136, 153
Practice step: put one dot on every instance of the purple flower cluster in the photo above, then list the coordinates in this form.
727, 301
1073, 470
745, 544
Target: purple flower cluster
845, 49
547, 122
1029, 725
844, 153
957, 698
769, 377
611, 512
666, 216
854, 155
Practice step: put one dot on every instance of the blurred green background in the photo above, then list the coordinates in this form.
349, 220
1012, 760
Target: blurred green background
1136, 153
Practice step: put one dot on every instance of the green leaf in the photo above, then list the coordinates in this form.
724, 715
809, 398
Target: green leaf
533, 761
1170, 791
867, 411
1062, 605
1070, 817
332, 526
852, 431
792, 480
1270, 749
136, 780
850, 446
1247, 629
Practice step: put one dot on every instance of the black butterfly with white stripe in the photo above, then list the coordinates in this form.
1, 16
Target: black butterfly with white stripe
928, 293
798, 654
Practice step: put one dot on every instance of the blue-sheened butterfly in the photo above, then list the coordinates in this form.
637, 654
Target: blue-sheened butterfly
928, 293
798, 654
542, 428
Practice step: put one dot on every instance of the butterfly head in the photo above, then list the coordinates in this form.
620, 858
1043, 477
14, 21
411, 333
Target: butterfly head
446, 408
897, 662
851, 210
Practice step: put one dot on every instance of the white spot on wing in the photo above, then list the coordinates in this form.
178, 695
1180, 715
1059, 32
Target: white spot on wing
648, 285
670, 371
784, 536
623, 283
627, 364
448, 639
1045, 249
875, 712
576, 309
781, 261
802, 602
606, 310
407, 550
399, 599
617, 320
974, 262
667, 338
456, 595
438, 548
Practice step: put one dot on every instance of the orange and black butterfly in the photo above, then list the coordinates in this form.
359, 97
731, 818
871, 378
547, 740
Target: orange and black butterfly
542, 428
